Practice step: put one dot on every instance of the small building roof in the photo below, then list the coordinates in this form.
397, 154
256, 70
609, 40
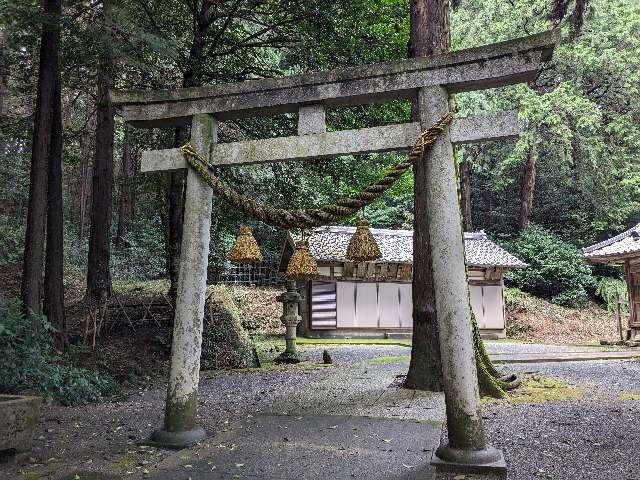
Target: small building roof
330, 244
624, 245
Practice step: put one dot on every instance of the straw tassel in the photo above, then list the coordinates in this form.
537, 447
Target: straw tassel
362, 246
246, 248
302, 265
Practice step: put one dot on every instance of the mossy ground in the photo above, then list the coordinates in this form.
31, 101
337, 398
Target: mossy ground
396, 359
629, 396
538, 388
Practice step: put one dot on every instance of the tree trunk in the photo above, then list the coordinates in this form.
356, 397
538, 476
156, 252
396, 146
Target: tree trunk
487, 200
54, 261
125, 206
98, 273
31, 287
84, 196
528, 187
4, 71
429, 35
465, 186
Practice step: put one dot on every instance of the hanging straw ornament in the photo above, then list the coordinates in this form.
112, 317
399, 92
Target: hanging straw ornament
246, 248
362, 246
302, 265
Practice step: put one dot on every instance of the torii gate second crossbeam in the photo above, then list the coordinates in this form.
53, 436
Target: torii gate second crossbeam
430, 81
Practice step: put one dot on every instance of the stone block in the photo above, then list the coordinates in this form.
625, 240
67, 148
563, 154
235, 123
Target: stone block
19, 416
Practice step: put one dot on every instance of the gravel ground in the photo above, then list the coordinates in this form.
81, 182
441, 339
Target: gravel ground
593, 438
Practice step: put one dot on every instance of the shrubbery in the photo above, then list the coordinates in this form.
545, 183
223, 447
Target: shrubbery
11, 240
556, 271
609, 289
28, 364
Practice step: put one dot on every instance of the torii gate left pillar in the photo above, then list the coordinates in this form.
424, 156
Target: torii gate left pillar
180, 427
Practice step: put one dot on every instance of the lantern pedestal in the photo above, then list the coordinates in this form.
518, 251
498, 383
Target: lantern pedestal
290, 319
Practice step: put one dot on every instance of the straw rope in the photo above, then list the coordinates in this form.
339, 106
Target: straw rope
313, 217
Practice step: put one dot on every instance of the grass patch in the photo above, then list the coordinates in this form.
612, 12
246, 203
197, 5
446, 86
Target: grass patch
629, 396
396, 359
143, 287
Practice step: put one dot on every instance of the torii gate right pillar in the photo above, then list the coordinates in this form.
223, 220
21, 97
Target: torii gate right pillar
467, 445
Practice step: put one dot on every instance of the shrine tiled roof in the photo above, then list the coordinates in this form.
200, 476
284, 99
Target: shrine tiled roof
330, 244
626, 244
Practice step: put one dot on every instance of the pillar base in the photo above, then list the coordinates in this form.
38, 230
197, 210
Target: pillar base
489, 460
177, 440
289, 357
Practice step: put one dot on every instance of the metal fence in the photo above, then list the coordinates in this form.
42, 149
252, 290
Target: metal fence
264, 273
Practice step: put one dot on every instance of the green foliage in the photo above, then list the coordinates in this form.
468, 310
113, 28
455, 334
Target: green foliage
28, 364
556, 269
511, 293
11, 240
572, 298
580, 116
611, 289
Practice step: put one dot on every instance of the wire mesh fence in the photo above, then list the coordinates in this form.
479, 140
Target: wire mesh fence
264, 273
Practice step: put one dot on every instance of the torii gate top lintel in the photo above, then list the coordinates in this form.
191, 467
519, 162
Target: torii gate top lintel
499, 64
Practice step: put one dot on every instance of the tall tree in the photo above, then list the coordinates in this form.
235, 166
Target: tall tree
98, 272
465, 187
527, 188
226, 39
54, 260
31, 288
125, 203
4, 70
429, 35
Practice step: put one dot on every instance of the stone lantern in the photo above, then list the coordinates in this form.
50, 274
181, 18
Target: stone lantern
290, 319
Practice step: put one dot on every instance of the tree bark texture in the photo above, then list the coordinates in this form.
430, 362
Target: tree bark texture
465, 185
527, 189
54, 260
84, 183
32, 274
125, 203
98, 273
4, 71
429, 35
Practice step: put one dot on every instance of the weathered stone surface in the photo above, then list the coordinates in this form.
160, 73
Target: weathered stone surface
19, 416
182, 391
492, 126
464, 421
494, 65
489, 460
311, 119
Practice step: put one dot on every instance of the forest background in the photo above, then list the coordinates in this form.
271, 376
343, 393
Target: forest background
572, 178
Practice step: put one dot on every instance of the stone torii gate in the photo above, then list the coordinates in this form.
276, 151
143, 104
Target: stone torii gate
429, 80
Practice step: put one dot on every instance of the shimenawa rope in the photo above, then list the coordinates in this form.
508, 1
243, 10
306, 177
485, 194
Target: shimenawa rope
313, 217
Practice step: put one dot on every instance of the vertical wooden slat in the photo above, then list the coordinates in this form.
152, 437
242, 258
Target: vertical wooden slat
393, 271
